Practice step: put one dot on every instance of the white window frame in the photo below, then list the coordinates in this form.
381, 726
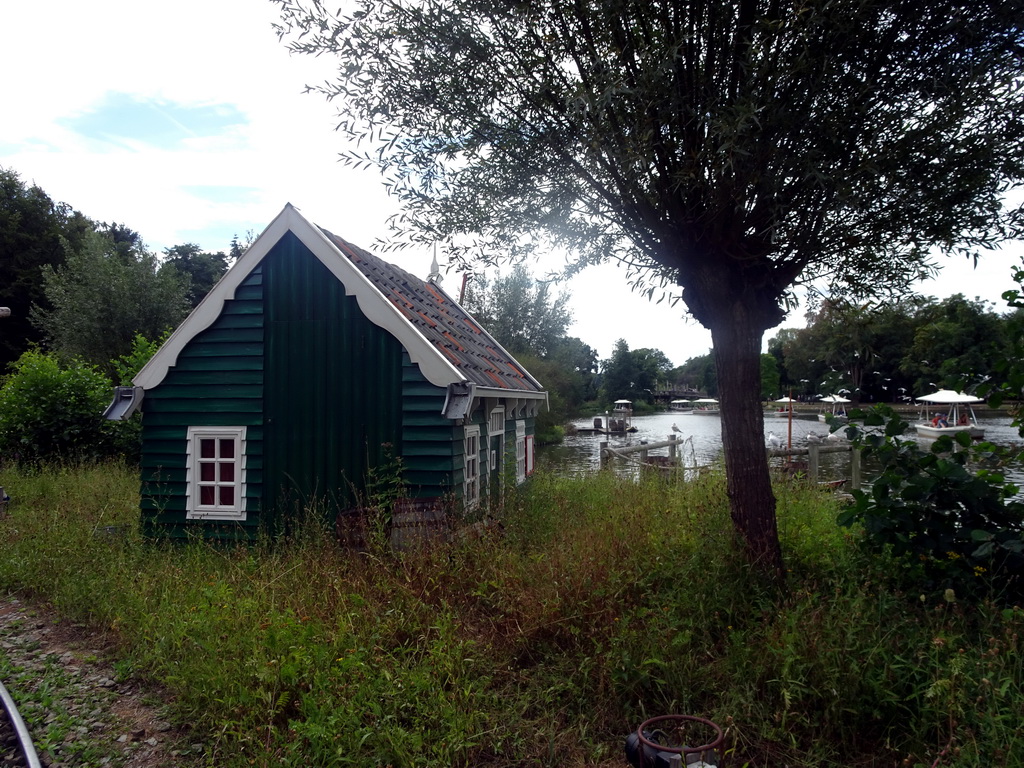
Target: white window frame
496, 428
521, 462
195, 509
496, 424
471, 467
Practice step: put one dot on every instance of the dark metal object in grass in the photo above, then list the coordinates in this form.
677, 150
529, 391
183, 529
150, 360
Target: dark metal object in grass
28, 750
653, 745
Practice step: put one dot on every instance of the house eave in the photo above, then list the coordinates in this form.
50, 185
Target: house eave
518, 394
462, 399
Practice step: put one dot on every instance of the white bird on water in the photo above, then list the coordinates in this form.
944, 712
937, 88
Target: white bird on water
774, 441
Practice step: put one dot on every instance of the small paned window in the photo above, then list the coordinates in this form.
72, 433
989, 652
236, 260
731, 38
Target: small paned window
520, 451
497, 422
216, 473
471, 475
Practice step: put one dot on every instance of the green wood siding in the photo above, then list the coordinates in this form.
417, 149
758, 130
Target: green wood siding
333, 385
431, 444
216, 382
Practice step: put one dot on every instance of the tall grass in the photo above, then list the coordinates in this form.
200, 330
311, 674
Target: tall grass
604, 603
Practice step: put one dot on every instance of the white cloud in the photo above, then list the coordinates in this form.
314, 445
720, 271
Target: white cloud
194, 53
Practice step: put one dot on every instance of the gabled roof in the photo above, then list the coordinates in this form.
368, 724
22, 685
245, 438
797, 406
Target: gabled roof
440, 319
441, 338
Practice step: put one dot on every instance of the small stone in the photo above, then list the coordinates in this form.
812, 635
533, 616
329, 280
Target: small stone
151, 741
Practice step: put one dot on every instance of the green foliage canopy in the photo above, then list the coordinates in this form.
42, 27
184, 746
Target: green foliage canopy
201, 269
698, 374
895, 352
954, 339
32, 230
633, 374
761, 140
521, 312
771, 384
103, 295
529, 320
619, 373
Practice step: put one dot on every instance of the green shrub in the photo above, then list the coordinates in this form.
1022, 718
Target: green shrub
127, 366
50, 410
947, 512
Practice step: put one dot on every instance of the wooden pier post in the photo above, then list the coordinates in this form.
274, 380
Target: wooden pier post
855, 468
605, 458
812, 462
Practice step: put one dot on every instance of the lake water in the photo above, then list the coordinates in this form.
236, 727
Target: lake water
702, 434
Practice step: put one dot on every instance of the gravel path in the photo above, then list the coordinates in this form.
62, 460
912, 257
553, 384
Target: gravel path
79, 709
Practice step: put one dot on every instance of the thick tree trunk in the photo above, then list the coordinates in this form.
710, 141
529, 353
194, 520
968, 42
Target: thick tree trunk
737, 343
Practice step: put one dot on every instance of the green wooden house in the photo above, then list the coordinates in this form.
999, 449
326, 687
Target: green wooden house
310, 369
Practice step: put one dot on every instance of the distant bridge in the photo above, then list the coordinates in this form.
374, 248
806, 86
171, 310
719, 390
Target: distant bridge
667, 395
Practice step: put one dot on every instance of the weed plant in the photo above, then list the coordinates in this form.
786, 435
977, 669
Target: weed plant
605, 602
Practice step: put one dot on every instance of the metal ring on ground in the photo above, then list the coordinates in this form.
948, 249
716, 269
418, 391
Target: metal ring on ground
712, 745
24, 738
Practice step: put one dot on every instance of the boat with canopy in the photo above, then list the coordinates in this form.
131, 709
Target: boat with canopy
705, 406
947, 412
837, 411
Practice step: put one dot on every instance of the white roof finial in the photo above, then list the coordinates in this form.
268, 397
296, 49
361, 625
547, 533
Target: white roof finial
435, 270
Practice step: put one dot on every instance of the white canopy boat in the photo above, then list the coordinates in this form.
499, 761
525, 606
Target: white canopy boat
621, 419
837, 411
705, 406
785, 409
947, 412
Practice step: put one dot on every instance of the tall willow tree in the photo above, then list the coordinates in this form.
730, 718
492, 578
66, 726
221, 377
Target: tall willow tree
730, 149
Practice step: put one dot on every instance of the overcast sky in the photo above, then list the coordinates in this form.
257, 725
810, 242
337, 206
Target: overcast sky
187, 122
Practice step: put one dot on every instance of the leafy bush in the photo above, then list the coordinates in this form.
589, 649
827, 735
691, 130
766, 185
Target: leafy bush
1007, 382
947, 511
54, 411
128, 365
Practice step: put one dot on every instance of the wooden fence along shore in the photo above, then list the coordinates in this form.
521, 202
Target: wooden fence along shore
640, 455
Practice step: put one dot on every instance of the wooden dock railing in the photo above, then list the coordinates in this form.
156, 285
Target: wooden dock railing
674, 445
643, 448
813, 454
